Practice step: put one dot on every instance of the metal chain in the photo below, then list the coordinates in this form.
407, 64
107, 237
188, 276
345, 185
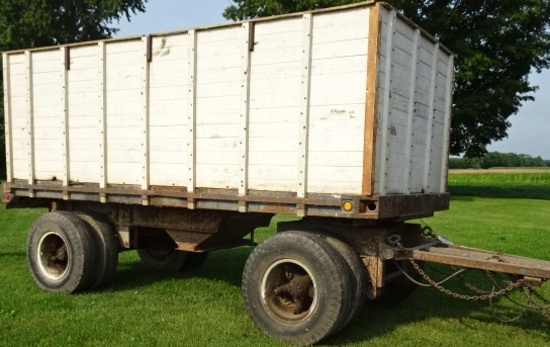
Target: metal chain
428, 232
489, 295
544, 311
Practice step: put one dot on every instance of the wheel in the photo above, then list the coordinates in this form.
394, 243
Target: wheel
358, 276
61, 253
296, 287
162, 256
107, 247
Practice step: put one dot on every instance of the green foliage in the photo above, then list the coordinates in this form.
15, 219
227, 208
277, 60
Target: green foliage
496, 159
33, 23
497, 43
36, 23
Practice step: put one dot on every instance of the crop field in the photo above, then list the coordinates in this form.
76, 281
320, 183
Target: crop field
505, 212
502, 183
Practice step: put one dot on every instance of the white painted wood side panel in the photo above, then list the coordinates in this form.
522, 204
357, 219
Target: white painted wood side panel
422, 114
411, 122
232, 114
17, 103
439, 127
274, 105
123, 118
218, 108
47, 114
168, 123
338, 98
84, 132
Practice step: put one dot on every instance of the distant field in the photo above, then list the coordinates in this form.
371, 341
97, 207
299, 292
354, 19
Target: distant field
501, 170
501, 183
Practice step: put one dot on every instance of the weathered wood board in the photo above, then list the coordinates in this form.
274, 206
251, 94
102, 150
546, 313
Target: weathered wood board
350, 101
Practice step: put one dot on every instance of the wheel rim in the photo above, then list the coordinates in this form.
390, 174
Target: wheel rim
54, 258
289, 291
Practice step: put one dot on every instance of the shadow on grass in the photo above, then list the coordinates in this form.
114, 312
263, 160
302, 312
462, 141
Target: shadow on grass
222, 265
426, 304
13, 254
501, 190
430, 305
374, 321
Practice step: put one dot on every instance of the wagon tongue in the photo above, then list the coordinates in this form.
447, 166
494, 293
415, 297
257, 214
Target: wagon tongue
505, 273
483, 260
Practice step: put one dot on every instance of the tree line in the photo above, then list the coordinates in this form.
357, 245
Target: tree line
496, 159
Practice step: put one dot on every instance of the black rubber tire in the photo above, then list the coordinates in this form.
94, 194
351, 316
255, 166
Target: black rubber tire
284, 256
162, 259
358, 277
107, 246
170, 259
61, 253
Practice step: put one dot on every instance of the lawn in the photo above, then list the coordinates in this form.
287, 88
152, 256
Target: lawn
203, 307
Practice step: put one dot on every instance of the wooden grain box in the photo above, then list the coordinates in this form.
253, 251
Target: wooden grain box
343, 112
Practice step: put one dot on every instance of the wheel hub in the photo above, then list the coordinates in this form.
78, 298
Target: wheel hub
53, 256
289, 291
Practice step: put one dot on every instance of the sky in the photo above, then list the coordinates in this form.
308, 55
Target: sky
530, 130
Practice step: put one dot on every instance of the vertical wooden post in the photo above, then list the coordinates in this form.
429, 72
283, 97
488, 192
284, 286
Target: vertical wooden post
431, 115
64, 67
191, 114
145, 72
369, 155
30, 120
303, 137
410, 114
386, 105
248, 37
7, 116
447, 125
102, 88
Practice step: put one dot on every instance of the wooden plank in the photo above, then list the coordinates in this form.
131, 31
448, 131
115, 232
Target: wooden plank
64, 67
102, 96
406, 188
303, 123
429, 129
247, 39
145, 77
447, 126
7, 115
30, 121
385, 113
370, 107
192, 112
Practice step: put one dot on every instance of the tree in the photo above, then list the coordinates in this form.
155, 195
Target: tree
497, 44
34, 23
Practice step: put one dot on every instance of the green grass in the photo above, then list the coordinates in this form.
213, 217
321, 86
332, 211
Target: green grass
203, 307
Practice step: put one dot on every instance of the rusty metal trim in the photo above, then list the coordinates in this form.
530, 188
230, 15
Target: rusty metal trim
400, 207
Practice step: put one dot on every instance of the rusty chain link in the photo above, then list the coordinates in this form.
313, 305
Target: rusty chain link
545, 311
489, 295
428, 233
